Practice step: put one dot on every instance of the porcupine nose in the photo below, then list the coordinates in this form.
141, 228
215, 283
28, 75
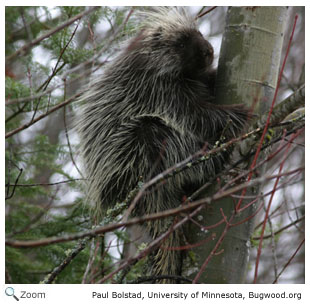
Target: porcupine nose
208, 54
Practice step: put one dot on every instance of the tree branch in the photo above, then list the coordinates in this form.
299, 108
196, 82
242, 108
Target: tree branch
140, 220
286, 107
33, 43
80, 247
55, 108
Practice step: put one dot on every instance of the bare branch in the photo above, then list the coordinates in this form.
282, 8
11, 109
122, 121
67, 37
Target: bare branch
286, 107
33, 43
140, 220
80, 247
55, 108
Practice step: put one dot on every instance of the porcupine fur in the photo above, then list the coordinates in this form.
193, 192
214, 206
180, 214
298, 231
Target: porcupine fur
152, 108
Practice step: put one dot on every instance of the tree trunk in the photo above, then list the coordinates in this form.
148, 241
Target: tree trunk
247, 73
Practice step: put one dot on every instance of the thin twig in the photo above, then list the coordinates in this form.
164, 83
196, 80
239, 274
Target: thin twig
53, 109
45, 184
289, 261
33, 43
81, 246
14, 186
154, 278
206, 12
268, 120
140, 220
281, 229
267, 213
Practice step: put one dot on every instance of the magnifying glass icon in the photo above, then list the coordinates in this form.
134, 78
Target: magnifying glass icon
9, 291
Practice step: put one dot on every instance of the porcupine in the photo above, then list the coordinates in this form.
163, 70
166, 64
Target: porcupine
152, 108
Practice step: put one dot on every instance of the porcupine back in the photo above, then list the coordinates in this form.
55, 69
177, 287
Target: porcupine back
152, 108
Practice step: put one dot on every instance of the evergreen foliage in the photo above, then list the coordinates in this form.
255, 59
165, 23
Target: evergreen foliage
40, 156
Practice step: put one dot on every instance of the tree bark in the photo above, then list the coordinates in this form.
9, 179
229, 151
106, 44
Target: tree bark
247, 73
